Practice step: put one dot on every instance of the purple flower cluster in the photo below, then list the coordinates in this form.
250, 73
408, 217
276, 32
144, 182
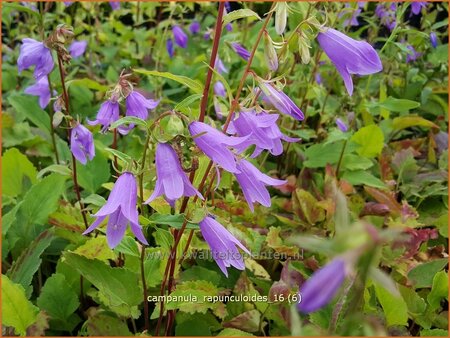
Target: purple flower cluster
386, 12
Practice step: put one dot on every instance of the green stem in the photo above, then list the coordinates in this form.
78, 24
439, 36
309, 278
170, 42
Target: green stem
340, 158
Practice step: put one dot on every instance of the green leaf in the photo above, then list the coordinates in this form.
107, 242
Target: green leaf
24, 268
319, 155
439, 290
88, 83
57, 299
434, 333
96, 172
416, 304
422, 275
175, 221
398, 105
195, 86
403, 122
55, 168
128, 120
229, 332
17, 311
28, 107
119, 286
124, 157
16, 6
183, 105
370, 139
355, 162
128, 246
394, 308
96, 248
239, 14
104, 324
193, 328
15, 167
361, 177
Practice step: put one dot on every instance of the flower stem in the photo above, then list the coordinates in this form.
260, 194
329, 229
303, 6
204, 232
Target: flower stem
144, 286
340, 158
212, 61
69, 131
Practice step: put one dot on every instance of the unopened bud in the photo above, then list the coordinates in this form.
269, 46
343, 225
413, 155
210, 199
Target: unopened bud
281, 13
57, 119
303, 49
270, 53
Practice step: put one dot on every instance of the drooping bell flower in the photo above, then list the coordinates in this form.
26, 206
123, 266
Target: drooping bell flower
262, 130
41, 89
353, 19
171, 180
433, 39
322, 286
194, 27
223, 245
387, 14
180, 36
416, 6
82, 143
169, 47
281, 101
349, 56
107, 114
253, 184
115, 5
35, 53
215, 144
121, 211
219, 89
219, 66
77, 48
137, 105
240, 50
218, 108
412, 55
341, 125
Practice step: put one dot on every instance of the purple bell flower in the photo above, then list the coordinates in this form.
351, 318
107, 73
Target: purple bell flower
194, 27
229, 27
322, 286
169, 47
180, 36
41, 89
253, 184
137, 105
262, 130
77, 48
120, 210
281, 101
353, 19
219, 89
341, 125
387, 15
413, 55
68, 3
171, 180
416, 6
240, 50
107, 114
223, 245
215, 144
82, 143
35, 53
349, 56
220, 66
433, 39
115, 5
227, 6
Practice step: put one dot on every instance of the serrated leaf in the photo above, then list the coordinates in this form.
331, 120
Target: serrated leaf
105, 324
195, 86
57, 299
96, 248
239, 14
96, 172
28, 107
370, 139
17, 311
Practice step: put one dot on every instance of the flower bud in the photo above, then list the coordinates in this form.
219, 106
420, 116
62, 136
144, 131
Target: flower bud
281, 11
303, 49
270, 53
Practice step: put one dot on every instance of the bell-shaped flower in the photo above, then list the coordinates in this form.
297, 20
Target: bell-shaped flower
77, 48
341, 125
253, 184
263, 132
433, 39
240, 50
219, 89
82, 143
121, 211
171, 180
215, 144
35, 53
169, 48
349, 56
41, 89
220, 66
280, 101
223, 245
137, 105
322, 286
107, 114
180, 36
194, 27
115, 5
412, 54
416, 6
